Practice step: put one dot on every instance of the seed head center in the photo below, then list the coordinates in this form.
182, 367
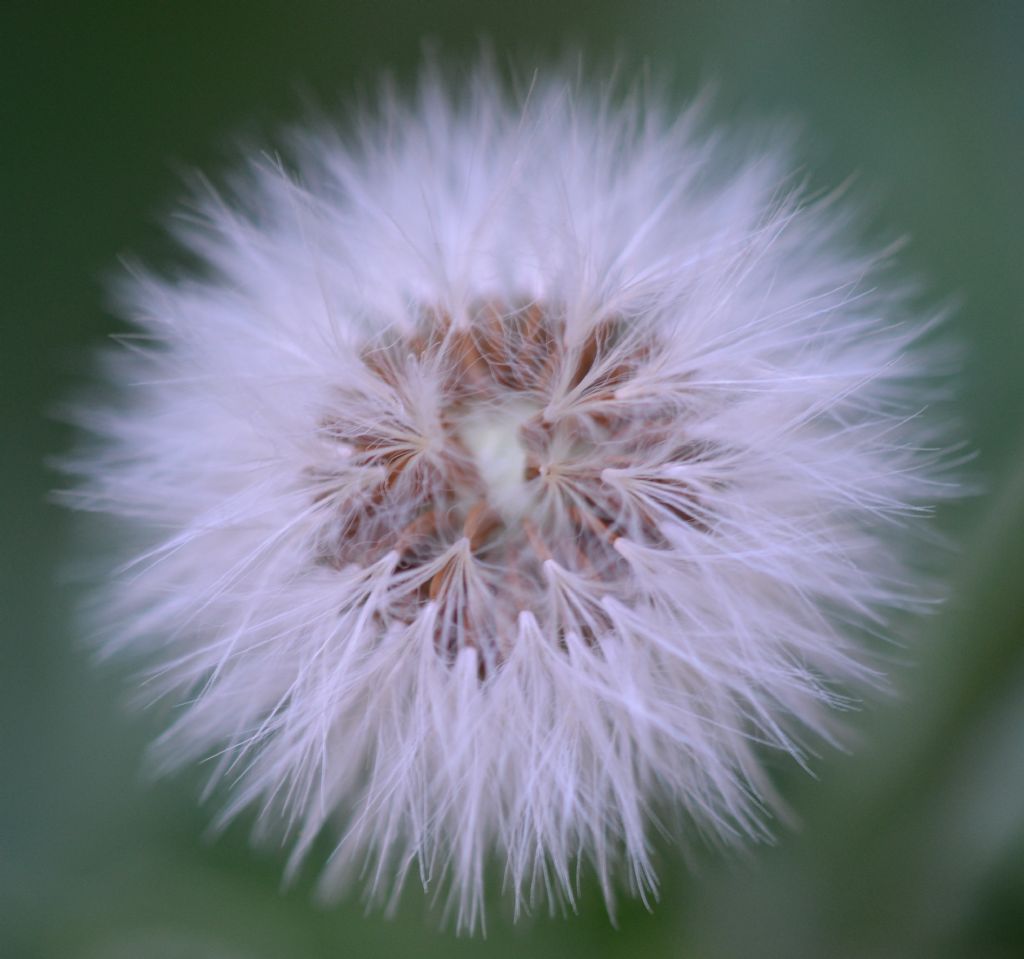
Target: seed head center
492, 434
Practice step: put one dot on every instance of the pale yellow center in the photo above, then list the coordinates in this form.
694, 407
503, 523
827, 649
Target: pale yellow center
492, 434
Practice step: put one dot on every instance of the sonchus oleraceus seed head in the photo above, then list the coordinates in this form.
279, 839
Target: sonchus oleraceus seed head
509, 467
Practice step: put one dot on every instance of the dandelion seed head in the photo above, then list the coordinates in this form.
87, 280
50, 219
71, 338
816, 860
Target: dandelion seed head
512, 466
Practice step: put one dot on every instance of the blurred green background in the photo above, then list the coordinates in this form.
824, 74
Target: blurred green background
911, 846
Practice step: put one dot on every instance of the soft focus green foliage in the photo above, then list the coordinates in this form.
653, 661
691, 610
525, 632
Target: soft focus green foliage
913, 845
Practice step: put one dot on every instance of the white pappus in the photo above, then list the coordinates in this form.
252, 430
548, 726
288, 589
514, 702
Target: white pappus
508, 469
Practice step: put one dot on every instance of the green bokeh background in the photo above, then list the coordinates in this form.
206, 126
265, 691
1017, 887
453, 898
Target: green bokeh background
913, 845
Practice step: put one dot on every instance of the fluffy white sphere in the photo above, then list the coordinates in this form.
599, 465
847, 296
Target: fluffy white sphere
508, 467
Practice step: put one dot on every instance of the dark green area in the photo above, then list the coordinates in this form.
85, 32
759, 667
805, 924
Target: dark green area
911, 846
